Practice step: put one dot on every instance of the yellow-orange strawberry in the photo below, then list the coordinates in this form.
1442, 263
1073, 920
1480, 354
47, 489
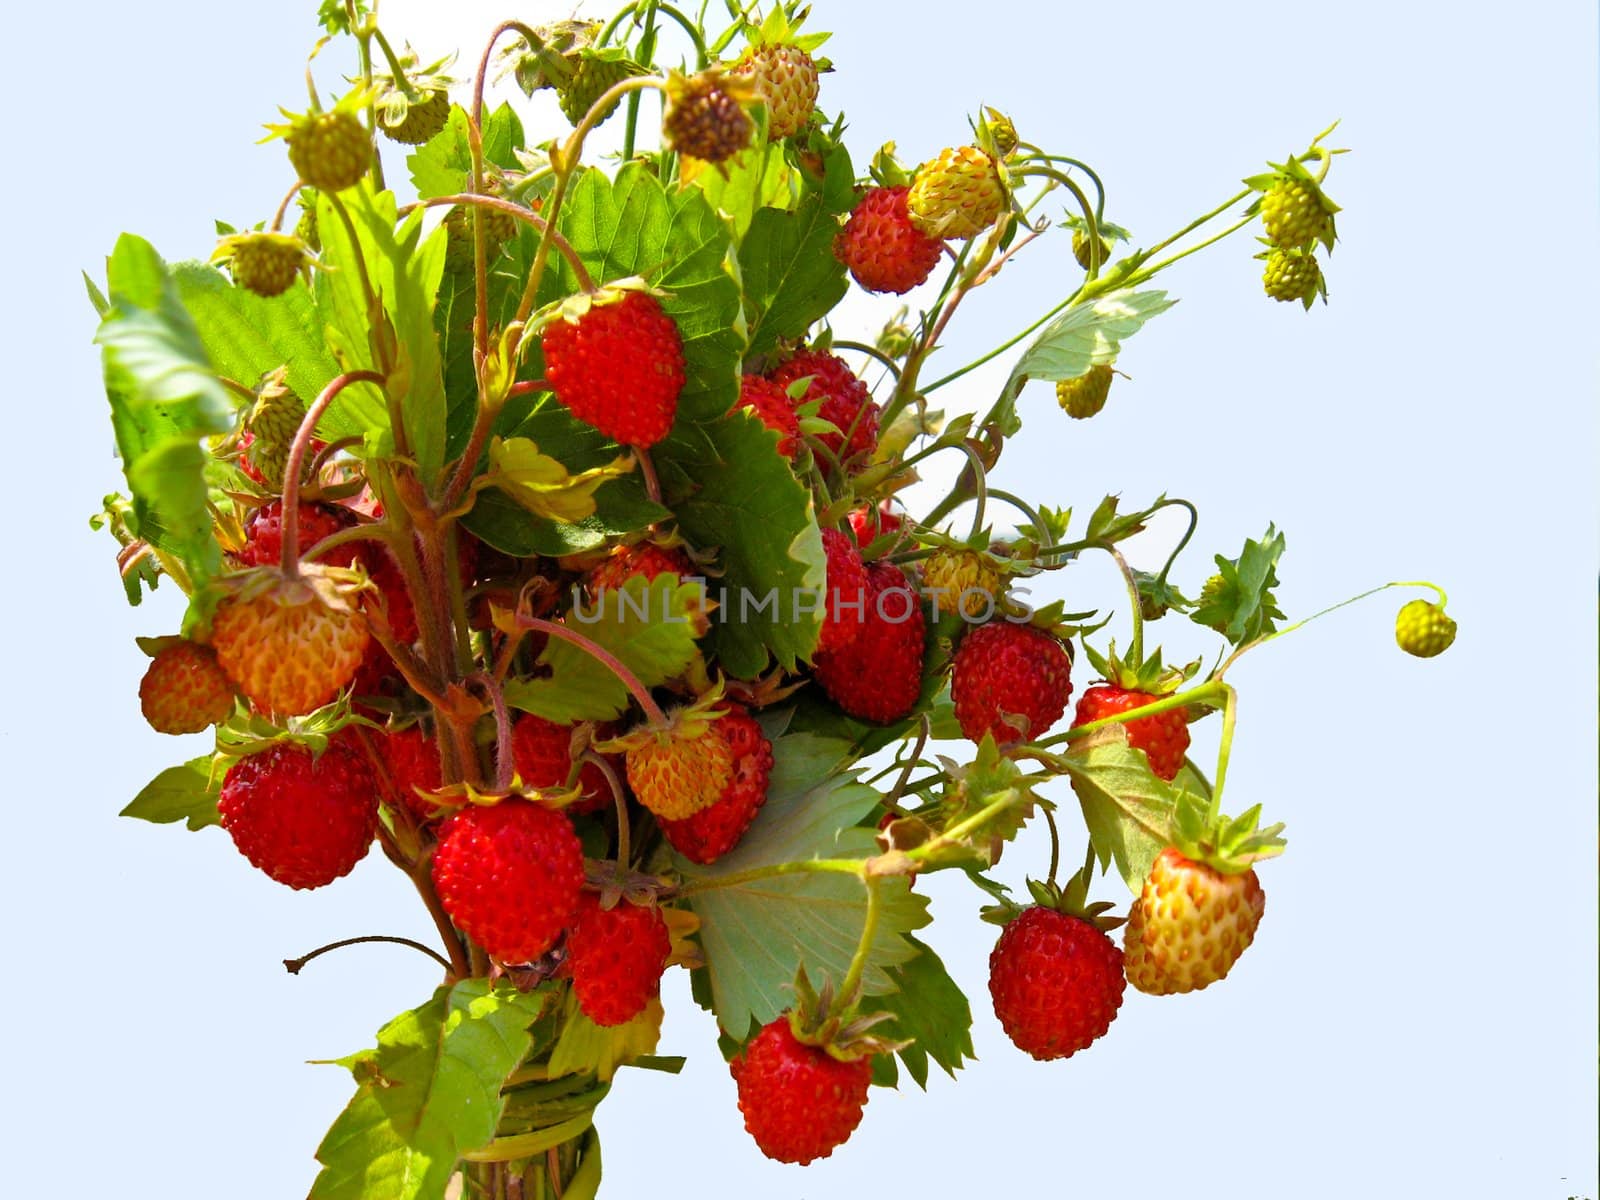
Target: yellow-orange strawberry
1201, 903
185, 690
677, 769
291, 642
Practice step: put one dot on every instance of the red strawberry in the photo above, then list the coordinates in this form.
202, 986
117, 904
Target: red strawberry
1056, 981
883, 249
772, 404
247, 439
542, 752
869, 524
378, 676
710, 833
412, 758
264, 534
185, 690
845, 400
509, 875
798, 1101
877, 676
619, 367
645, 560
1007, 673
844, 604
304, 819
1164, 737
617, 957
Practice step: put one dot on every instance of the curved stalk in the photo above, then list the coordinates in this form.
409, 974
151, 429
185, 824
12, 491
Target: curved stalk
294, 965
290, 556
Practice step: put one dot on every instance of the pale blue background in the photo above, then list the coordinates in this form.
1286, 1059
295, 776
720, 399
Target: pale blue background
1418, 1016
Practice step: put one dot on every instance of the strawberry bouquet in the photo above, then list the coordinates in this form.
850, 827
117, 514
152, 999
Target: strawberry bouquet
540, 530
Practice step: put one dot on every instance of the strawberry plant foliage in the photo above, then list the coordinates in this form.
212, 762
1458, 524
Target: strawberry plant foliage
543, 521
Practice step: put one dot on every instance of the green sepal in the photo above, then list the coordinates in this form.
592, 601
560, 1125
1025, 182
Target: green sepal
887, 170
1238, 602
1228, 845
1140, 674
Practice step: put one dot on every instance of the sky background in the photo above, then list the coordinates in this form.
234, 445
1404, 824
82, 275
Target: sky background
1418, 1015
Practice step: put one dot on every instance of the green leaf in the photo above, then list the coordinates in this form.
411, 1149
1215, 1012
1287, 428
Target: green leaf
185, 793
405, 272
443, 166
790, 274
678, 243
165, 398
585, 1047
732, 491
650, 625
1081, 337
1240, 604
755, 934
1128, 811
753, 179
621, 505
427, 1094
930, 1009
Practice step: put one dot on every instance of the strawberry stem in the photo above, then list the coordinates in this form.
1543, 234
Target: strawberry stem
1136, 648
827, 866
1055, 843
290, 557
283, 207
869, 929
517, 211
294, 965
1089, 218
624, 850
652, 710
1229, 704
504, 764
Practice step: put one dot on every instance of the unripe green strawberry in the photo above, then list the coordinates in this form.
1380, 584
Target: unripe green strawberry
703, 121
785, 76
290, 644
1080, 249
185, 689
1424, 629
330, 150
591, 78
1293, 275
306, 227
1190, 925
961, 581
1084, 396
265, 263
273, 423
957, 195
422, 120
1293, 214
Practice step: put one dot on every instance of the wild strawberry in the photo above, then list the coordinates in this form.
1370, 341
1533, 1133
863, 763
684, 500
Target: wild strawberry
883, 249
845, 400
185, 689
772, 405
270, 430
1424, 629
1081, 397
710, 833
592, 77
957, 195
1056, 981
1294, 214
844, 602
412, 760
1080, 249
265, 263
264, 534
799, 1102
703, 120
542, 753
499, 227
305, 819
421, 120
786, 77
962, 581
1293, 275
617, 957
509, 875
877, 675
290, 644
1010, 680
1164, 738
679, 772
642, 560
1190, 925
618, 367
330, 150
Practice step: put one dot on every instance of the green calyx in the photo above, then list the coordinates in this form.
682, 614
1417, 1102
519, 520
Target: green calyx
1230, 846
835, 1024
1295, 210
1138, 673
